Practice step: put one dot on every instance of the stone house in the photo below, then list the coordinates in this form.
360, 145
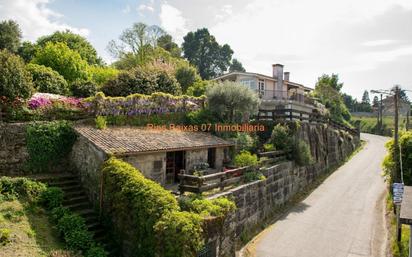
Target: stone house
159, 154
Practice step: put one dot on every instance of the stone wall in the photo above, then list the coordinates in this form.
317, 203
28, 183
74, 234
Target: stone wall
86, 160
257, 201
13, 150
195, 157
152, 165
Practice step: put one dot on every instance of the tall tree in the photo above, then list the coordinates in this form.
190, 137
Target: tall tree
375, 102
365, 97
236, 66
166, 42
136, 42
349, 101
74, 42
203, 51
62, 59
27, 50
10, 35
332, 81
327, 91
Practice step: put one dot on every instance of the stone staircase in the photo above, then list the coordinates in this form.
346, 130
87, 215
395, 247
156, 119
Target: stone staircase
75, 199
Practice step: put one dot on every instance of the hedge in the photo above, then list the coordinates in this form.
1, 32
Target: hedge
136, 203
149, 217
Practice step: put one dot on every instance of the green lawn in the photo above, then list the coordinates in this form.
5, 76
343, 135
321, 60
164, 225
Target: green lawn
30, 233
369, 124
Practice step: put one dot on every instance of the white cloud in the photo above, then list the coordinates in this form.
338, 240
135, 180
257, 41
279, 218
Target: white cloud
381, 42
35, 18
172, 21
312, 37
143, 7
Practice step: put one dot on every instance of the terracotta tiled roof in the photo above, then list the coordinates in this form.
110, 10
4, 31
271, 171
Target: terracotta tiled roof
131, 140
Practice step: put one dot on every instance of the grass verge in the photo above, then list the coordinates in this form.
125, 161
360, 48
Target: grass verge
398, 249
26, 231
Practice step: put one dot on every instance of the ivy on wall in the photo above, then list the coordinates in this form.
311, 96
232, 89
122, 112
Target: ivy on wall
48, 143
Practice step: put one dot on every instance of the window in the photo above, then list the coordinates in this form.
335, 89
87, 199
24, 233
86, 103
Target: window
250, 83
261, 87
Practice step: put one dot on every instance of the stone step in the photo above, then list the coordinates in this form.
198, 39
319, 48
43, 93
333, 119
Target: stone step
78, 206
72, 194
85, 213
72, 188
45, 178
93, 225
62, 183
75, 199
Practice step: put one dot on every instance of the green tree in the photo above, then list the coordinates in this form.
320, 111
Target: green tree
236, 66
203, 51
100, 75
375, 102
166, 42
10, 35
27, 51
142, 80
136, 42
332, 81
232, 101
198, 88
75, 42
186, 76
15, 80
62, 59
46, 80
349, 101
365, 97
327, 91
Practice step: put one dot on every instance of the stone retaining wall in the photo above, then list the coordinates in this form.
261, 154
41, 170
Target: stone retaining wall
13, 150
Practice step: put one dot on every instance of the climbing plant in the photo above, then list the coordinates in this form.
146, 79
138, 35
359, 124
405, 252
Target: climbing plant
48, 143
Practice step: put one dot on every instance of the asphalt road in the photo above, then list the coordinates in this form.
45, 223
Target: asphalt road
343, 217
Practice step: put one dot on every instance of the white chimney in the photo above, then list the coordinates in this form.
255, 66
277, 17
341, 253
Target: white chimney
278, 75
286, 76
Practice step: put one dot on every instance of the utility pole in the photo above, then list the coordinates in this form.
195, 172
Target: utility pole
380, 115
396, 175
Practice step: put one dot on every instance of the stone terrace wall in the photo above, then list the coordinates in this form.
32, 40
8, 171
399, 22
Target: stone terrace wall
257, 201
13, 150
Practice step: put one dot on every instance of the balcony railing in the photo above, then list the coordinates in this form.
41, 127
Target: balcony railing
284, 95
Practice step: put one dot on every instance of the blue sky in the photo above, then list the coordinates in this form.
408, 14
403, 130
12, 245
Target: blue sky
368, 43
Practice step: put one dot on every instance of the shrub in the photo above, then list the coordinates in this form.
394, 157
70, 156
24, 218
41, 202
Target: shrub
281, 138
52, 197
100, 122
58, 212
179, 234
70, 222
101, 75
198, 88
142, 81
21, 187
62, 59
78, 239
48, 143
15, 80
245, 142
126, 191
245, 158
46, 80
268, 147
96, 251
186, 76
405, 144
4, 236
81, 88
301, 153
232, 101
218, 207
253, 176
199, 117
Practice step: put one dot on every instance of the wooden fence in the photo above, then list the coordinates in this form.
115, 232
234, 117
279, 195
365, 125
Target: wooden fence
200, 184
292, 114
